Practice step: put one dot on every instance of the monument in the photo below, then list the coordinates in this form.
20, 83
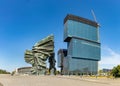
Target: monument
39, 54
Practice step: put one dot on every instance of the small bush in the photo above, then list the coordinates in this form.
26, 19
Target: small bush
4, 72
116, 71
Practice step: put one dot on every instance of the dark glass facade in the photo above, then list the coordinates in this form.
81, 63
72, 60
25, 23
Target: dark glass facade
83, 45
84, 49
77, 29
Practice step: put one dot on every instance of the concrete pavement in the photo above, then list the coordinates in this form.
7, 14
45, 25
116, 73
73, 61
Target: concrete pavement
25, 80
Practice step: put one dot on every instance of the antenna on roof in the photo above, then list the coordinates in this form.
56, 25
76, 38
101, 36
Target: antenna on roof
93, 14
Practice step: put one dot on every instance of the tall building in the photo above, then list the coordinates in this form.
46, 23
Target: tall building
83, 46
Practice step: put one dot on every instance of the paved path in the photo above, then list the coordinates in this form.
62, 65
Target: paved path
8, 80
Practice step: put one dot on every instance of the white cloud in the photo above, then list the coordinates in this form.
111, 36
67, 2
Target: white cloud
109, 58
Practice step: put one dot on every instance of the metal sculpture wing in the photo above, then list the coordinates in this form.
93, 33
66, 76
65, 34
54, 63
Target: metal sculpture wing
39, 54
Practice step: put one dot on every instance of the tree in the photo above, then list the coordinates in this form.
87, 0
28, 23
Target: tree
4, 72
116, 71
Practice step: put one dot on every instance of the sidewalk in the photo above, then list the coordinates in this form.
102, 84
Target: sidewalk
23, 80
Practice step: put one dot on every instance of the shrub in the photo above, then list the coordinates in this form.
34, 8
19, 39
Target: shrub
4, 72
116, 71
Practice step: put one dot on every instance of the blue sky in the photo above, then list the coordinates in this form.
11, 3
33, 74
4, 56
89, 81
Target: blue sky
25, 22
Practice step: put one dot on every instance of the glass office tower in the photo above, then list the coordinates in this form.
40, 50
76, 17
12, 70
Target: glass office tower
83, 46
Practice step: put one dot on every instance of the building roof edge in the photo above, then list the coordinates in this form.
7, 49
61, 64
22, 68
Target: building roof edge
80, 19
